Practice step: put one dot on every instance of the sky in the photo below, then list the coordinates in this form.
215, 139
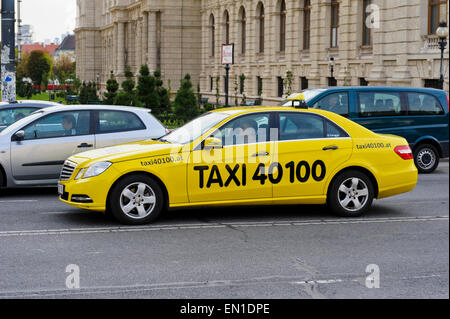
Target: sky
50, 18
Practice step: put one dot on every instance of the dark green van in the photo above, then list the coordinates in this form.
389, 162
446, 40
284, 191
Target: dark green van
418, 114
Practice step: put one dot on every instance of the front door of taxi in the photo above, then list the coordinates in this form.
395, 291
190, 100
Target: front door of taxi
237, 171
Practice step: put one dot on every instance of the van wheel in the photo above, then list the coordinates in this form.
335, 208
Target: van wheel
351, 194
136, 200
426, 158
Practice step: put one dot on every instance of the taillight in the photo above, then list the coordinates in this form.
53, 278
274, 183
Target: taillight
404, 151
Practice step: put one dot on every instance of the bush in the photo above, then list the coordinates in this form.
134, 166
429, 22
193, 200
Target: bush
186, 106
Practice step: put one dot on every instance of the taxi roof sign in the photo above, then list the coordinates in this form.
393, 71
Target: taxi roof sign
296, 97
298, 100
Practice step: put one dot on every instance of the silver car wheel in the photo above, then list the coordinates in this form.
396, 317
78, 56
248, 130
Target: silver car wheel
353, 194
426, 158
137, 200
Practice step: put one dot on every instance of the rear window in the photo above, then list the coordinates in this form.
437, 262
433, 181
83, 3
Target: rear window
119, 121
376, 104
424, 104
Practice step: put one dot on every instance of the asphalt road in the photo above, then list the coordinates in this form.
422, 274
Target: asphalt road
265, 252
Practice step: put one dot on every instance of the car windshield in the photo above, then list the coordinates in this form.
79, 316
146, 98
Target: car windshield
20, 123
308, 94
194, 129
12, 115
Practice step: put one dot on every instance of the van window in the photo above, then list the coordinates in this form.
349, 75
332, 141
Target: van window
424, 104
335, 102
372, 104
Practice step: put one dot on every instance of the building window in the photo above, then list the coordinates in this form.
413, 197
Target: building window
261, 23
334, 23
283, 26
303, 83
259, 81
211, 83
434, 14
363, 82
366, 30
306, 24
280, 84
243, 25
432, 83
332, 81
212, 35
227, 27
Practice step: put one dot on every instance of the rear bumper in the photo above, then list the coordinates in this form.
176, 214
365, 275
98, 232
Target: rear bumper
399, 182
444, 148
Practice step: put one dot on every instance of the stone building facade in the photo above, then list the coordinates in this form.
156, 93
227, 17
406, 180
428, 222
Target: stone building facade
320, 42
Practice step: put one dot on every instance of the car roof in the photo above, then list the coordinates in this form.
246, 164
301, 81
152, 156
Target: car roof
22, 103
95, 107
375, 88
255, 109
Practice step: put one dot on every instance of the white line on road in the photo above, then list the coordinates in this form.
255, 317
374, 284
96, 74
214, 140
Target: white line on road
19, 201
103, 230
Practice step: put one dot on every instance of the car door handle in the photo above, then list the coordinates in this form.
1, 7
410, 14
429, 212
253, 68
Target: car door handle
85, 145
330, 148
261, 154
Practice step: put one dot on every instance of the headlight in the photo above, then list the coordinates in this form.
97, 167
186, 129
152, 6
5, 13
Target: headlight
96, 169
80, 173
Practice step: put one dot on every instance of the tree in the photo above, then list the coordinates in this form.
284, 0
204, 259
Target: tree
146, 89
63, 68
128, 95
288, 83
186, 106
112, 86
84, 94
38, 66
163, 93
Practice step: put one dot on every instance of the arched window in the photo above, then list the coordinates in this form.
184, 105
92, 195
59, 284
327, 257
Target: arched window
334, 34
306, 24
261, 27
243, 29
366, 30
282, 26
226, 19
212, 35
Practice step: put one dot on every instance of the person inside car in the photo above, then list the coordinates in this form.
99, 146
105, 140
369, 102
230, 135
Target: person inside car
69, 124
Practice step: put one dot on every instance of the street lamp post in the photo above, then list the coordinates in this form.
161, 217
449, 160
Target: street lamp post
442, 33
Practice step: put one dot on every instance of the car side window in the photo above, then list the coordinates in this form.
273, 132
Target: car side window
10, 116
246, 129
333, 131
335, 102
375, 104
59, 125
118, 121
424, 104
301, 126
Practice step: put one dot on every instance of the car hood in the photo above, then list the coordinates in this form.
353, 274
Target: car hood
125, 152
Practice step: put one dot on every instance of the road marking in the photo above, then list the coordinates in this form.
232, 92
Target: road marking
104, 230
19, 201
111, 290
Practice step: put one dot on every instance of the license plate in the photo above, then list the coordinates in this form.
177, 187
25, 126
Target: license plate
61, 189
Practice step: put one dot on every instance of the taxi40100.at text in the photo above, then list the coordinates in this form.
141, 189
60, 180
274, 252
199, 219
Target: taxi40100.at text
243, 156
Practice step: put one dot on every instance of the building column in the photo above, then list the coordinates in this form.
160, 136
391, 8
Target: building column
138, 52
152, 45
144, 38
121, 48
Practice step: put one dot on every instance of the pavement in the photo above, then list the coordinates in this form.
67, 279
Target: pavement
399, 249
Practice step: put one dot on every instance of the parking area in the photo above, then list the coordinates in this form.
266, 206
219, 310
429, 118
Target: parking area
258, 252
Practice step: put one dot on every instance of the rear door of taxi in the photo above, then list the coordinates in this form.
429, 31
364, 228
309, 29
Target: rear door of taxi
309, 148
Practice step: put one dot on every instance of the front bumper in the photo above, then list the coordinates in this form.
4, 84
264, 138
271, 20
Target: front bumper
95, 188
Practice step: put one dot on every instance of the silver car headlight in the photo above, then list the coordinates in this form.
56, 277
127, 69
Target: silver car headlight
95, 170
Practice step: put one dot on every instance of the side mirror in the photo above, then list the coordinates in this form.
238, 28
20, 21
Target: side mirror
18, 136
212, 143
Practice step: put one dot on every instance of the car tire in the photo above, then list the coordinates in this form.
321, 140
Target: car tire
136, 200
351, 194
426, 158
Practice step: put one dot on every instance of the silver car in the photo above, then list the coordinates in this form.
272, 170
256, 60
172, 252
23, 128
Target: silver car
33, 150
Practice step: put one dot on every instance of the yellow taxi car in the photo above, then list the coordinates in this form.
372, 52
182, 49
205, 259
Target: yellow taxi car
243, 156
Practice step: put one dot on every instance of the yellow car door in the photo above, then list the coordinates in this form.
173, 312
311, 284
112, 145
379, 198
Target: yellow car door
309, 149
230, 164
